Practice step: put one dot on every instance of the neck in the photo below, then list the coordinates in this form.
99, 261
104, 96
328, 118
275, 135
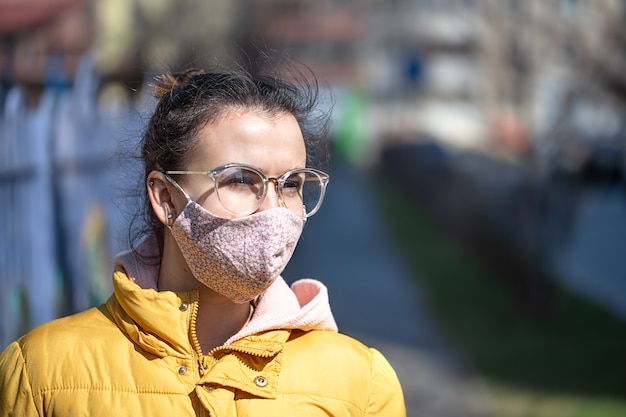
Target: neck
218, 318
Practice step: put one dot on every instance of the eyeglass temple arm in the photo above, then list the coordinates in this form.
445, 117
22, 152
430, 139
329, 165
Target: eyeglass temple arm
188, 172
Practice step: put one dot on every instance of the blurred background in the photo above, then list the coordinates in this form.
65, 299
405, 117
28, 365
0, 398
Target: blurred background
489, 137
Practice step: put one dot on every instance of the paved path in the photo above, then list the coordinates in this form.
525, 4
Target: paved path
374, 299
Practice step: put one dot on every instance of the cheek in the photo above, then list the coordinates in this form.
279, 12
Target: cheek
208, 199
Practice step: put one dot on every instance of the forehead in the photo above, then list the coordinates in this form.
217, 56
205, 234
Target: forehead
269, 142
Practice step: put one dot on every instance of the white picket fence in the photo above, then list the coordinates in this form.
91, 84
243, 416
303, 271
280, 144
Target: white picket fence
63, 201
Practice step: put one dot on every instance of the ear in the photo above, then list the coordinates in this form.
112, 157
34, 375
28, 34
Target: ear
161, 198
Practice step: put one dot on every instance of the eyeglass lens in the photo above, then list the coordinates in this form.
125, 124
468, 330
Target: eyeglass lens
241, 190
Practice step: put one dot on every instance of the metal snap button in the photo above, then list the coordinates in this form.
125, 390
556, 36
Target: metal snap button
261, 381
184, 306
182, 370
209, 388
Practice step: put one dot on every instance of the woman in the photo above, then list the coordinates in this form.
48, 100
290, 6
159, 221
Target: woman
201, 323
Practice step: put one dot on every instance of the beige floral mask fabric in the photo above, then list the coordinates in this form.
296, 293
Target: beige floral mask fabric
238, 258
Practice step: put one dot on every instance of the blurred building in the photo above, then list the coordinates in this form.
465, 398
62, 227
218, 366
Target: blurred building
326, 36
142, 36
506, 77
509, 78
42, 41
127, 38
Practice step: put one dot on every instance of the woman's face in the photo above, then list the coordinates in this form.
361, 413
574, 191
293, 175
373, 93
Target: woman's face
272, 144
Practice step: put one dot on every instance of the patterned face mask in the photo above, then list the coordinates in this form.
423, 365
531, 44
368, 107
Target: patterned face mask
238, 258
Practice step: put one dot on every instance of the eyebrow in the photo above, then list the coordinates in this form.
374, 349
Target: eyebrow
207, 171
256, 167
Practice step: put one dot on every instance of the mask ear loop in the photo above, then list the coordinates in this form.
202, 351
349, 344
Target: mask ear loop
175, 184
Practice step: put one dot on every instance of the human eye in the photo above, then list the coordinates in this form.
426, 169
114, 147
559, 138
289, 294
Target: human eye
293, 184
241, 180
235, 178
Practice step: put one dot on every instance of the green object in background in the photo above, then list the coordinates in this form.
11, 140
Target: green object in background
351, 136
18, 308
93, 241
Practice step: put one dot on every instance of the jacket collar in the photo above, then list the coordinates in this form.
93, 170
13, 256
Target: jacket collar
304, 305
152, 320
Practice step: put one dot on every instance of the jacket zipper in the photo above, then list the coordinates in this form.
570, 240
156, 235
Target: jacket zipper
199, 358
242, 350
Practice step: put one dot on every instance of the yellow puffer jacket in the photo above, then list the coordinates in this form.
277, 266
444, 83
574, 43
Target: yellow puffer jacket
135, 356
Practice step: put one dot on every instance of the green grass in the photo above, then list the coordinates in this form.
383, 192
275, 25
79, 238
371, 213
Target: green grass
572, 364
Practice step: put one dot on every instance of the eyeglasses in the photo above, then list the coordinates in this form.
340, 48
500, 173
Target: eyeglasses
241, 189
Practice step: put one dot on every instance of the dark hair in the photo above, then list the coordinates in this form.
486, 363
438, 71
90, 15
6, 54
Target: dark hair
190, 100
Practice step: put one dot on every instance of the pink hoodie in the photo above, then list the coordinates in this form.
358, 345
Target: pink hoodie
304, 306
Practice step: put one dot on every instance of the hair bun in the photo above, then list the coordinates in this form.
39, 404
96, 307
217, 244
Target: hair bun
166, 83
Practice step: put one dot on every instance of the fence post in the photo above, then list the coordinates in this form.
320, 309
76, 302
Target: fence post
28, 272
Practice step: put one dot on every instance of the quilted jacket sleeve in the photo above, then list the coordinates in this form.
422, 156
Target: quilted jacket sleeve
16, 398
385, 397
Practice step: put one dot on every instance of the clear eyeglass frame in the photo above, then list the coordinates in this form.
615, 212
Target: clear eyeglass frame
316, 175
